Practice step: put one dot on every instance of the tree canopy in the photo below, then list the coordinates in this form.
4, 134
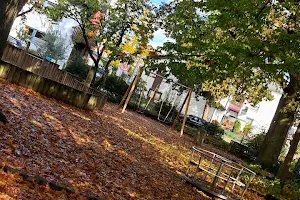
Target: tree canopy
54, 45
242, 46
103, 26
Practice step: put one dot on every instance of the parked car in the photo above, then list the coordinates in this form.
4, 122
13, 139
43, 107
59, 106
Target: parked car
194, 121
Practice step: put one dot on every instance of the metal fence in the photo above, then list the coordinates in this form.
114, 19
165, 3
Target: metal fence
217, 175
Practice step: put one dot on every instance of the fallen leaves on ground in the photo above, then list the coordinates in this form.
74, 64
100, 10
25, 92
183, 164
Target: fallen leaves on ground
114, 155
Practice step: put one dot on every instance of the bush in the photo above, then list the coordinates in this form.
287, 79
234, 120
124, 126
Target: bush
257, 141
116, 88
213, 129
77, 67
218, 142
237, 126
116, 85
247, 129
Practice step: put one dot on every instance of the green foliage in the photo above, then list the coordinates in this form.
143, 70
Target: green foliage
254, 167
237, 126
165, 110
256, 142
116, 85
54, 45
214, 129
247, 129
217, 43
124, 17
77, 67
229, 136
116, 88
23, 35
217, 142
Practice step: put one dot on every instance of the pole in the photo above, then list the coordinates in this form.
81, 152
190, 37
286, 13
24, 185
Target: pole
177, 117
186, 112
126, 93
131, 90
151, 98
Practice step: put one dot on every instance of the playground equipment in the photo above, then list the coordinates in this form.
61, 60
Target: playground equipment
217, 176
158, 96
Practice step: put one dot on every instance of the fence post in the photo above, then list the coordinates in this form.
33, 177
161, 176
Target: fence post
64, 78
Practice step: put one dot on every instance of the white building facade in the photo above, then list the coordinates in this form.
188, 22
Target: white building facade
37, 25
259, 116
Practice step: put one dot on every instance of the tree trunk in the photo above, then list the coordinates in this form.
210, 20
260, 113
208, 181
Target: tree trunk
105, 74
284, 169
205, 112
89, 79
275, 138
9, 10
106, 71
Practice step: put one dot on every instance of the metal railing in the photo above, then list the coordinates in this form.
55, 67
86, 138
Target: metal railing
217, 175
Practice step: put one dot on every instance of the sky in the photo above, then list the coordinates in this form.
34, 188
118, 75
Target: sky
159, 35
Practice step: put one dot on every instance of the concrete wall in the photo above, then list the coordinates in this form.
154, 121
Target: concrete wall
50, 88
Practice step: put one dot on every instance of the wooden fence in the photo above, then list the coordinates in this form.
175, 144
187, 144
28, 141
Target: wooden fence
29, 62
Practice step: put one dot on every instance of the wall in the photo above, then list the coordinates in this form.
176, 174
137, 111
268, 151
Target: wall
262, 117
50, 88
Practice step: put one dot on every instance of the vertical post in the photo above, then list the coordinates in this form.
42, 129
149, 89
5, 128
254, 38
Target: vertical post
131, 90
177, 117
214, 183
186, 111
244, 191
152, 97
64, 78
126, 93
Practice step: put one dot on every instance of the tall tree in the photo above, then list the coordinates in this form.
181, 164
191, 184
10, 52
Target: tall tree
54, 45
103, 26
89, 16
252, 42
9, 10
285, 167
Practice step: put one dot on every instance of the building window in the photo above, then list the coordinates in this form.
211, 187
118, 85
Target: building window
249, 120
232, 113
39, 35
244, 111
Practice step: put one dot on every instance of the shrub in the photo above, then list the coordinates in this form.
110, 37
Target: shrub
257, 141
77, 67
218, 142
237, 126
116, 85
165, 109
213, 129
116, 88
247, 129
